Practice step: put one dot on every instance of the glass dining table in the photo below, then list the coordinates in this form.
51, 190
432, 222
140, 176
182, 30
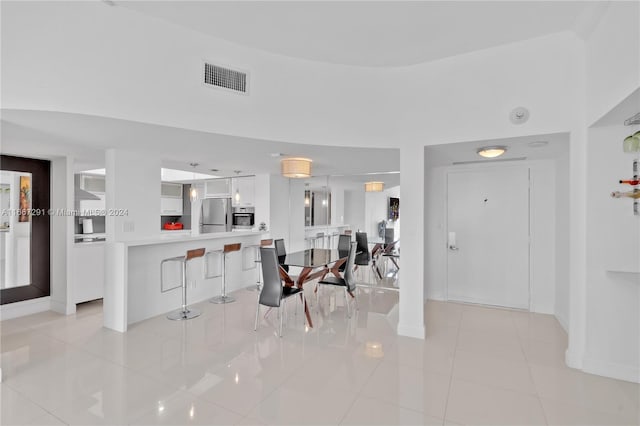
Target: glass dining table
315, 263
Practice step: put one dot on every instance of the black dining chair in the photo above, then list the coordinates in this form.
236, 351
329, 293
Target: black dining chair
281, 253
363, 257
273, 293
344, 244
348, 283
390, 252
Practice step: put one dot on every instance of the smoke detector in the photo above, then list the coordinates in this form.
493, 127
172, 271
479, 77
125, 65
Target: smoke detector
519, 115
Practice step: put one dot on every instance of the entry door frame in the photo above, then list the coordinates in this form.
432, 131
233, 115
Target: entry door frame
479, 167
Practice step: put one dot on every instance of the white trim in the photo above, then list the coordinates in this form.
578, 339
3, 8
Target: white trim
417, 332
61, 307
573, 359
629, 373
26, 307
564, 321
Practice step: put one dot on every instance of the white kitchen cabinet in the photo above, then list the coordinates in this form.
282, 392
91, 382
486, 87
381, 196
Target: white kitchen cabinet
215, 188
93, 207
170, 206
171, 199
171, 190
88, 271
95, 184
243, 191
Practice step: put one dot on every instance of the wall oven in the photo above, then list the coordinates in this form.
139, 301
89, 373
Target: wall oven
243, 217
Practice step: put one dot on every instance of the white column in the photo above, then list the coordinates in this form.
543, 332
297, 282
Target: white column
578, 218
132, 195
411, 313
62, 230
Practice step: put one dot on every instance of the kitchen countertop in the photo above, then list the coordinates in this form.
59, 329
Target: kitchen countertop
168, 238
90, 238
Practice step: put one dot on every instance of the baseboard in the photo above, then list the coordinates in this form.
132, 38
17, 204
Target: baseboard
26, 307
417, 332
437, 298
613, 370
62, 308
573, 360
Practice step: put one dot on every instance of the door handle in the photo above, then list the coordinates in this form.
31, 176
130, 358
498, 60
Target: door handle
452, 241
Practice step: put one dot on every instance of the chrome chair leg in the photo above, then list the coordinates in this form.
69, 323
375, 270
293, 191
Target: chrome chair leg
280, 315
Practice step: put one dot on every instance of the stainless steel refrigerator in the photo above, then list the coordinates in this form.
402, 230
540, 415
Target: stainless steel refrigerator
215, 215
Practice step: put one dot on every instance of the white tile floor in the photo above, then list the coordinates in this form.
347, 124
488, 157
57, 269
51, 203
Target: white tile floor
477, 366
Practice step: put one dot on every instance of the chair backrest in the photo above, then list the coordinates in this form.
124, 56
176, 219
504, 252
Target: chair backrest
228, 248
348, 272
388, 248
344, 242
280, 249
192, 254
362, 247
388, 235
377, 249
271, 293
344, 245
281, 252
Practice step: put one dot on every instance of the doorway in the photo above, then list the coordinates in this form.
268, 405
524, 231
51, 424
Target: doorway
488, 236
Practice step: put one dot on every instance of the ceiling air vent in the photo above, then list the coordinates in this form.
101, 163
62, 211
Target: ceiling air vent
225, 78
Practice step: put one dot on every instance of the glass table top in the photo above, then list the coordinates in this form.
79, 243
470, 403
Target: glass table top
313, 258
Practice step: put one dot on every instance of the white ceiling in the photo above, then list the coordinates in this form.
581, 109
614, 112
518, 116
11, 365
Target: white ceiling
373, 33
85, 137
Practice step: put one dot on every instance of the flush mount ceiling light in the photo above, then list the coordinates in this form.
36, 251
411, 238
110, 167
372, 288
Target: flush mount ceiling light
374, 186
296, 167
537, 144
492, 151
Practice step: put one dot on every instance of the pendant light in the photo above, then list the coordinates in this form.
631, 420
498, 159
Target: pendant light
296, 167
237, 194
193, 191
374, 186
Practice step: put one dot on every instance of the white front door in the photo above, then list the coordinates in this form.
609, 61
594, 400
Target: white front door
488, 231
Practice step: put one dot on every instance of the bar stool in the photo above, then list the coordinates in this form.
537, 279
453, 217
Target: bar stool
223, 298
184, 313
263, 243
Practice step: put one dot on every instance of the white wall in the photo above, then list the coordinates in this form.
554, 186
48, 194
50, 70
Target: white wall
543, 219
133, 184
261, 200
613, 58
376, 210
603, 335
562, 241
287, 216
354, 209
337, 203
613, 258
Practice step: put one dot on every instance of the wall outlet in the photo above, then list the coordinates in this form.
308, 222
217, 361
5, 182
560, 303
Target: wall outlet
128, 226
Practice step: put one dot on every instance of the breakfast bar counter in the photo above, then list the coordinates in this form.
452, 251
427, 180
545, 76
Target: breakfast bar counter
132, 273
